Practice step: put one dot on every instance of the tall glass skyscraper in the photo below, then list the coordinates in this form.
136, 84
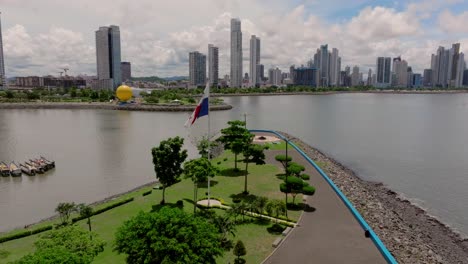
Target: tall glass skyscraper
108, 54
236, 53
2, 63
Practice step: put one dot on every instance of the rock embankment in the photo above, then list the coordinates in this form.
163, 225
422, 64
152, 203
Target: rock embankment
110, 106
409, 233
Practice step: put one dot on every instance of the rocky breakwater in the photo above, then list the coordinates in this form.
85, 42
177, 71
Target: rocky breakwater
409, 233
112, 106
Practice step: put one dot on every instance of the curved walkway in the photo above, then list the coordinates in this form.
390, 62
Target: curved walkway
328, 233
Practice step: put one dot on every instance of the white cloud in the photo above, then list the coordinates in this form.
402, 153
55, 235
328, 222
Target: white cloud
157, 36
451, 23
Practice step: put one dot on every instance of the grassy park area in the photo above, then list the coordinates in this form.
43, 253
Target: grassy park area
262, 181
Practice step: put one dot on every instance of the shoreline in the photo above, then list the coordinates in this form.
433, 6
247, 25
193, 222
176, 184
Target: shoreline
344, 92
408, 231
108, 106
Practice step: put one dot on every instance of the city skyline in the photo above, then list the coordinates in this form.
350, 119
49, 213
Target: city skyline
411, 30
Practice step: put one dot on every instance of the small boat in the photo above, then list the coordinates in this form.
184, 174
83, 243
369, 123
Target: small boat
28, 170
42, 163
15, 171
51, 163
4, 170
36, 168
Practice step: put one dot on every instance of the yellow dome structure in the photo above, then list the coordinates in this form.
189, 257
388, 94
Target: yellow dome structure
124, 93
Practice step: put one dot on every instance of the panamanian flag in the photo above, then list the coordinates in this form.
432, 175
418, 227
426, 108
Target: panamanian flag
202, 108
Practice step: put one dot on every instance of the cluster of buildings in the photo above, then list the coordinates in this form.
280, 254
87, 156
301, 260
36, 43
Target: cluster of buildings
324, 69
448, 69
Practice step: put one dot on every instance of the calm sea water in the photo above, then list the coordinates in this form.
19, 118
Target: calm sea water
415, 144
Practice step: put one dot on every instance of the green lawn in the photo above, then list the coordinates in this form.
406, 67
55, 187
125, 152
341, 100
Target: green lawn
262, 181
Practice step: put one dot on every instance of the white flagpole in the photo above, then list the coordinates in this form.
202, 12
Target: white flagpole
209, 138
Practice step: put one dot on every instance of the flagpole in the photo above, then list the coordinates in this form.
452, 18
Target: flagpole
209, 141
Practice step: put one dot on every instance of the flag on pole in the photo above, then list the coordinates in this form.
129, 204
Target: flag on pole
202, 108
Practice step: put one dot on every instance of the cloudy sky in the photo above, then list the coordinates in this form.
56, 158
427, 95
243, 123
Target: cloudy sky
40, 37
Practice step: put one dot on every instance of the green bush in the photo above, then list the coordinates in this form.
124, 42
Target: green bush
225, 159
104, 209
147, 193
276, 229
308, 190
305, 176
236, 200
25, 233
180, 203
219, 162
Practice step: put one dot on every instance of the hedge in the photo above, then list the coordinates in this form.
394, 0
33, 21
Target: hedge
105, 208
25, 233
147, 193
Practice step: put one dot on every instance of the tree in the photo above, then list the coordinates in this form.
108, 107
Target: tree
199, 170
10, 94
86, 211
295, 186
260, 203
203, 146
284, 161
64, 210
168, 236
276, 208
235, 137
167, 159
239, 250
70, 244
294, 169
253, 153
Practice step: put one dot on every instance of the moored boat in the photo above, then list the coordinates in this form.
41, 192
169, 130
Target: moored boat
15, 171
28, 170
50, 163
4, 170
42, 164
38, 169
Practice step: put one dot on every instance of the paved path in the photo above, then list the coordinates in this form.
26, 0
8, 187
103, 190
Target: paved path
330, 234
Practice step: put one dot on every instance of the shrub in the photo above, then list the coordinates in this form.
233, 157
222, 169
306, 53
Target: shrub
305, 176
147, 193
308, 190
180, 203
41, 229
219, 162
236, 200
276, 229
225, 159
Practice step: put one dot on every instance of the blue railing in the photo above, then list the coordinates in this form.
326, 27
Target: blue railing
377, 242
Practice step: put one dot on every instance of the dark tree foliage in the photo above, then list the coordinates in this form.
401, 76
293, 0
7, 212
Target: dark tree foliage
70, 244
284, 161
239, 249
65, 210
168, 236
235, 138
199, 170
168, 158
253, 153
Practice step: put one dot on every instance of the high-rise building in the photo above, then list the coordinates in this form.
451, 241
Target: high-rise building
335, 67
261, 69
427, 78
197, 69
305, 76
453, 70
274, 76
369, 78
236, 53
254, 61
460, 70
213, 65
324, 67
409, 77
108, 54
383, 72
126, 70
2, 63
400, 71
355, 76
465, 78
417, 81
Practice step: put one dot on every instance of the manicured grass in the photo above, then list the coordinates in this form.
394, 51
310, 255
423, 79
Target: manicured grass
262, 181
280, 145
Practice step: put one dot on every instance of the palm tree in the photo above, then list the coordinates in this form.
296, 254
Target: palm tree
86, 211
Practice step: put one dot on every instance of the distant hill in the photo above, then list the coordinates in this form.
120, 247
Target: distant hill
159, 79
148, 79
175, 78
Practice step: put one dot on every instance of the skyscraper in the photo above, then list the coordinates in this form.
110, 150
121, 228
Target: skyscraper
236, 53
2, 63
427, 78
324, 66
460, 70
335, 67
400, 71
108, 54
213, 65
254, 61
355, 76
369, 78
274, 76
383, 72
197, 69
126, 70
